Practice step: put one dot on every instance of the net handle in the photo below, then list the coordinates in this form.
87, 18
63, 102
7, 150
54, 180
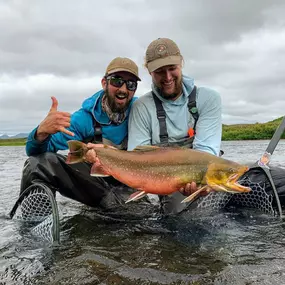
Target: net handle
276, 137
270, 149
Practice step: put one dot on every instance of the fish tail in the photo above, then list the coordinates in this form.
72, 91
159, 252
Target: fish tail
77, 151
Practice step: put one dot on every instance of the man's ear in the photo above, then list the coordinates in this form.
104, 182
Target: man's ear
104, 83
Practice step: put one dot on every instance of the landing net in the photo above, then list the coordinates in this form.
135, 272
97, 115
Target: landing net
38, 208
257, 198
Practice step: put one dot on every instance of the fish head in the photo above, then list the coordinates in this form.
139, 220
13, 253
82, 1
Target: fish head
224, 177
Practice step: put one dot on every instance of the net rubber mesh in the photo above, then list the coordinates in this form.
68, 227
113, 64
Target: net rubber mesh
38, 208
35, 207
44, 229
257, 198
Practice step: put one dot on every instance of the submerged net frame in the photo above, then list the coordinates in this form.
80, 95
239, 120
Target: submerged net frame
37, 205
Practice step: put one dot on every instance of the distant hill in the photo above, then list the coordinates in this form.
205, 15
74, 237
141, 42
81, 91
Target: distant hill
4, 137
18, 136
257, 131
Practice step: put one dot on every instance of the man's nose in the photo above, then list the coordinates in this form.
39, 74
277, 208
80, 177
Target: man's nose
124, 88
168, 75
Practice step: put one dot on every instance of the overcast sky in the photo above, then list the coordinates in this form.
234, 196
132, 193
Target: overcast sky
61, 48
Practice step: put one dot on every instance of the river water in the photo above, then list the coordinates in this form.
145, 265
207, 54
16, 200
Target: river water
235, 247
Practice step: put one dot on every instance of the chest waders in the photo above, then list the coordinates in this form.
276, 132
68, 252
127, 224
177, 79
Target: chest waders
161, 116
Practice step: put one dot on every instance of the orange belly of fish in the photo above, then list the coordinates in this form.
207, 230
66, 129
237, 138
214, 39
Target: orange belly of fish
152, 185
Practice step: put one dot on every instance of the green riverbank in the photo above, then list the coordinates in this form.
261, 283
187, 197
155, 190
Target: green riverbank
13, 142
256, 131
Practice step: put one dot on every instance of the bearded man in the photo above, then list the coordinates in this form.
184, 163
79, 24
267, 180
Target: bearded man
102, 118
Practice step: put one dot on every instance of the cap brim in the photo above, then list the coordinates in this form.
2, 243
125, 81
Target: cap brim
123, 69
169, 60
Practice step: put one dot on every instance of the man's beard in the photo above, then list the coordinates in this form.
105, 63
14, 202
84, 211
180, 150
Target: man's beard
112, 104
176, 93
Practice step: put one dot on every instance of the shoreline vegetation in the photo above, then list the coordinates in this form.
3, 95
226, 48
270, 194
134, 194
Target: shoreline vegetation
257, 131
13, 142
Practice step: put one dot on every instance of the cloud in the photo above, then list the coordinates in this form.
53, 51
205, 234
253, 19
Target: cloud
62, 48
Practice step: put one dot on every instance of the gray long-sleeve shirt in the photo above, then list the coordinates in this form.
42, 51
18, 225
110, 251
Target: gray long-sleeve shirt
144, 125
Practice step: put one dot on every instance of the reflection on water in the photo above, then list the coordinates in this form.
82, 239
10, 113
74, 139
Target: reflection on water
235, 247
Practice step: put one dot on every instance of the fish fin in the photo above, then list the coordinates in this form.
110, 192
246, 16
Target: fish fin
136, 196
194, 195
231, 188
97, 170
110, 146
99, 175
146, 148
217, 187
100, 145
77, 151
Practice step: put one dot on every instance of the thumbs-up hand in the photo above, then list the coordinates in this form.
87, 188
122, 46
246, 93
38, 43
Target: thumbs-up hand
54, 122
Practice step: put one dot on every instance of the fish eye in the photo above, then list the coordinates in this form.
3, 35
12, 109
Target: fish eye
231, 170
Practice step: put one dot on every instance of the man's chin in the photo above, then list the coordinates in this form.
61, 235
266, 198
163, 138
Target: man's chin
169, 96
170, 93
121, 108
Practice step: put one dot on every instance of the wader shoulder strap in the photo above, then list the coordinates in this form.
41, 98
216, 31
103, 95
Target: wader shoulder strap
161, 116
192, 107
97, 138
97, 132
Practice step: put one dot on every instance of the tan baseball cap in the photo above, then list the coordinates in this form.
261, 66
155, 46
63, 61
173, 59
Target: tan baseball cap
162, 52
123, 64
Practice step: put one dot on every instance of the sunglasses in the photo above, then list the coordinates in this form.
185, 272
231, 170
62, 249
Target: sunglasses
118, 82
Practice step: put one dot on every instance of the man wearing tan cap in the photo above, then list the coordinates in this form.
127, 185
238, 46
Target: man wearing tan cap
175, 111
102, 118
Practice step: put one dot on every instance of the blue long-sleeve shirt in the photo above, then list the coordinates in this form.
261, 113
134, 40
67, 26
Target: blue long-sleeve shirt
82, 125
